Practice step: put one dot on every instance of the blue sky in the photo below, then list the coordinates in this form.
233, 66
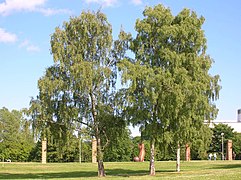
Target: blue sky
26, 26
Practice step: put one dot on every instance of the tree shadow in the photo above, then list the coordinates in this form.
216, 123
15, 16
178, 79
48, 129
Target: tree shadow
79, 174
127, 173
226, 166
166, 171
60, 175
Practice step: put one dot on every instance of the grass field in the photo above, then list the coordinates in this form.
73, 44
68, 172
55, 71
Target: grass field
119, 170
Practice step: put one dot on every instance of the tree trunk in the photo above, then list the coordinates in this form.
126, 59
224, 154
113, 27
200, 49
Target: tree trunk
101, 169
178, 158
152, 159
80, 143
44, 151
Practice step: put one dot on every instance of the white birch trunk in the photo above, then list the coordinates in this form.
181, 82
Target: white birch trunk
152, 160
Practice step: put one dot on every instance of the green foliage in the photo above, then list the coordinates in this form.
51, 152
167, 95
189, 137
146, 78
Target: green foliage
200, 143
67, 152
59, 151
216, 145
36, 152
165, 152
135, 150
119, 147
170, 91
237, 145
86, 151
229, 134
79, 88
15, 135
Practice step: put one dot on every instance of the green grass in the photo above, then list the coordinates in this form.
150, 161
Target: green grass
131, 170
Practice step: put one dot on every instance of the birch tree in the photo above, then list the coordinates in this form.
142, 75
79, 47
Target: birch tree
169, 87
79, 87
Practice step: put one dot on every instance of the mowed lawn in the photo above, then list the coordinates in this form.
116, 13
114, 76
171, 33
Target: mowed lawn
122, 170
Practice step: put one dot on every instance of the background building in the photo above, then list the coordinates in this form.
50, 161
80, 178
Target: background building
235, 124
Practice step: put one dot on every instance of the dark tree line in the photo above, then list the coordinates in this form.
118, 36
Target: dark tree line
17, 144
16, 141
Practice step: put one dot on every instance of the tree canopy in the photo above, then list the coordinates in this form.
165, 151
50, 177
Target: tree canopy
170, 90
80, 87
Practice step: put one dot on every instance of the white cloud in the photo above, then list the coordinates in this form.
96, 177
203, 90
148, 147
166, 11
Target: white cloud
49, 11
24, 44
136, 2
92, 1
105, 3
109, 2
11, 6
29, 46
33, 48
7, 37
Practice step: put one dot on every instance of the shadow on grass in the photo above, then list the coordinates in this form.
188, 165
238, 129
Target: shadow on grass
78, 174
226, 166
60, 175
166, 171
127, 173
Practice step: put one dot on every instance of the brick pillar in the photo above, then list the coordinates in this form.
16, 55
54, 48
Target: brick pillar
44, 151
188, 153
94, 151
229, 152
141, 152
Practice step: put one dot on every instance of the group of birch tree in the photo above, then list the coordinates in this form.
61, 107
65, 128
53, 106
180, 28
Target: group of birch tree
167, 88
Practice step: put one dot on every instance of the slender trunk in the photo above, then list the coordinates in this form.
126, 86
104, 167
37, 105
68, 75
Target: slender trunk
44, 151
80, 143
152, 159
101, 170
178, 158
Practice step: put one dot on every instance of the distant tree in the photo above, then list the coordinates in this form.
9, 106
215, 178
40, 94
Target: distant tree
237, 145
229, 134
135, 150
34, 114
15, 135
169, 89
36, 152
85, 140
86, 151
201, 143
10, 126
69, 152
60, 136
119, 148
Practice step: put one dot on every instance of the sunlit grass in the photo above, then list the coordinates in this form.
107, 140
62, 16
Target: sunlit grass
122, 170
